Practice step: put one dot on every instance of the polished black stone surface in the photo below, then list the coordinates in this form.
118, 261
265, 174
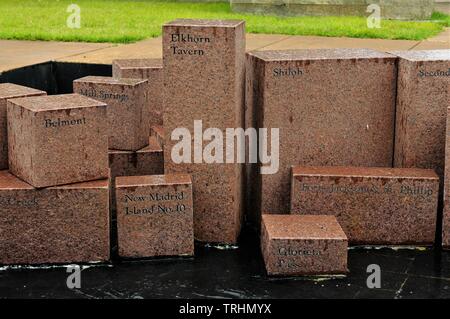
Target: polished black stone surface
238, 273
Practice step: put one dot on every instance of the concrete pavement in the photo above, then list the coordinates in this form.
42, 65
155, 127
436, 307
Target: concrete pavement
15, 54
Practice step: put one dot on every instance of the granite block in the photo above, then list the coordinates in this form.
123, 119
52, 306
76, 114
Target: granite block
157, 131
46, 133
303, 245
150, 69
62, 224
446, 212
128, 124
155, 215
146, 161
10, 91
331, 106
422, 101
375, 206
204, 80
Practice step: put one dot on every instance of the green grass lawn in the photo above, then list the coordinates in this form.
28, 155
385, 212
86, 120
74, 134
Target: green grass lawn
129, 21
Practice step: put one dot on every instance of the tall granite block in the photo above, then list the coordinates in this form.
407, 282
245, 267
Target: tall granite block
150, 69
57, 139
387, 206
155, 215
10, 91
332, 107
446, 213
61, 224
128, 124
303, 245
204, 80
422, 101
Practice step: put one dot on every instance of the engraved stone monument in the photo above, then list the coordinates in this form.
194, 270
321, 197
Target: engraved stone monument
379, 206
155, 215
203, 81
303, 245
57, 139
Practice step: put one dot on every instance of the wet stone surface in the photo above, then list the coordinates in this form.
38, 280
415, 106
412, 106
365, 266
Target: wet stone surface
239, 273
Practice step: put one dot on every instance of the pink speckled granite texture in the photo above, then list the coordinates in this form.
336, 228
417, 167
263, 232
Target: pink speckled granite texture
376, 206
128, 124
446, 214
150, 69
57, 139
422, 103
332, 107
155, 215
62, 224
303, 245
10, 91
157, 131
207, 87
146, 161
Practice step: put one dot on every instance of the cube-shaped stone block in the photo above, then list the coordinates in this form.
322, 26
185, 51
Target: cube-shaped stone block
155, 215
128, 124
303, 245
57, 139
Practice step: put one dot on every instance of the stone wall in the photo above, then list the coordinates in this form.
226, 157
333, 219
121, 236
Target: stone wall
390, 9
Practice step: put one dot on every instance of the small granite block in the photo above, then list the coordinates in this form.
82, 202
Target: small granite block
204, 64
422, 101
127, 100
157, 131
62, 224
303, 245
375, 206
155, 215
150, 69
10, 91
146, 161
57, 139
331, 106
446, 215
